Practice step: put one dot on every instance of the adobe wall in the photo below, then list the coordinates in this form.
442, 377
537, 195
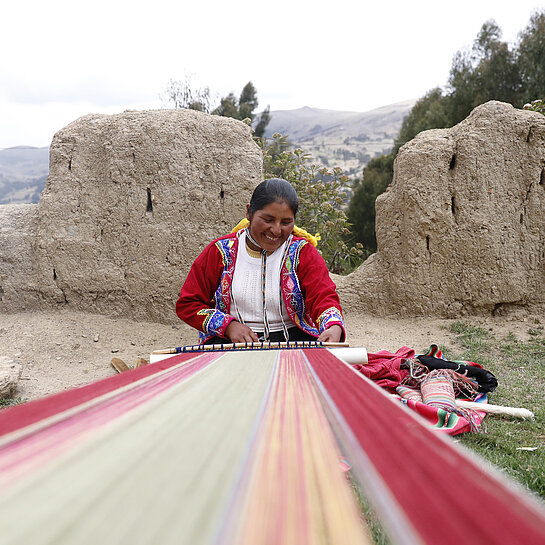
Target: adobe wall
462, 228
130, 200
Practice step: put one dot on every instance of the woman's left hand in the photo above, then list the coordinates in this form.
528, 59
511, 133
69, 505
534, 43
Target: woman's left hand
332, 334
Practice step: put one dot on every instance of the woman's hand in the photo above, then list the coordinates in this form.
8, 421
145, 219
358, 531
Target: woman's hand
240, 333
332, 334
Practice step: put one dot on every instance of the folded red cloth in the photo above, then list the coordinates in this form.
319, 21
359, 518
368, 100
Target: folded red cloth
384, 368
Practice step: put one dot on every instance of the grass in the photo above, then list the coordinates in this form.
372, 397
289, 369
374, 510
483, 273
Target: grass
370, 519
8, 402
519, 367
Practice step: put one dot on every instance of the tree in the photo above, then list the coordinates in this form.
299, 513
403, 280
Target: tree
429, 112
183, 95
490, 70
377, 176
262, 122
247, 102
321, 195
244, 108
536, 106
228, 107
531, 58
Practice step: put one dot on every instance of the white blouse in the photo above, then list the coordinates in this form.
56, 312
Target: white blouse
247, 292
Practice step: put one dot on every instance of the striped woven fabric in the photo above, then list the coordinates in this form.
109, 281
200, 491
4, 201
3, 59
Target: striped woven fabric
237, 448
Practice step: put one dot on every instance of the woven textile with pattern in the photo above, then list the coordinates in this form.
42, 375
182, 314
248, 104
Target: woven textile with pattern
240, 448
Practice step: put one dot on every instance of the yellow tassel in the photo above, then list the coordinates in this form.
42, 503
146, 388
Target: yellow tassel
240, 225
297, 231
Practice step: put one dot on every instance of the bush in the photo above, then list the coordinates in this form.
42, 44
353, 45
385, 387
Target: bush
536, 106
323, 194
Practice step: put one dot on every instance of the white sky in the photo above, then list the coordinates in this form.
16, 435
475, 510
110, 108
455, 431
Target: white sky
60, 59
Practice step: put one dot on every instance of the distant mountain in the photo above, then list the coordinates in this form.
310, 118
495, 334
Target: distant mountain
23, 172
334, 138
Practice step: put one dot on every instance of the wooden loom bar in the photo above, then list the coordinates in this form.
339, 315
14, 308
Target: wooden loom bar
262, 345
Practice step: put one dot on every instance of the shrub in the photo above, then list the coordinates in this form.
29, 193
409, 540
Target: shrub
323, 194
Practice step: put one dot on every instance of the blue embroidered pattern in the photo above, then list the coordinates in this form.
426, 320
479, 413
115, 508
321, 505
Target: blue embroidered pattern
227, 249
330, 315
213, 321
292, 289
215, 318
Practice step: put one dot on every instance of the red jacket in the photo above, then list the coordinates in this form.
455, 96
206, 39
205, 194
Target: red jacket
308, 292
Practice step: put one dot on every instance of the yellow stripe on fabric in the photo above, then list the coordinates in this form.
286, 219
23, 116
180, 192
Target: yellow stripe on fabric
161, 474
295, 492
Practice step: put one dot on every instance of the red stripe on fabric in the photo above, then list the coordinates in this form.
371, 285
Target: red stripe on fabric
32, 450
447, 497
19, 416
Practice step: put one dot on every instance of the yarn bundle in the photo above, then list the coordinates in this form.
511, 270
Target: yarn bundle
439, 388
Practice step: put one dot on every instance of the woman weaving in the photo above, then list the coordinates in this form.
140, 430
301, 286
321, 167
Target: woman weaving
262, 282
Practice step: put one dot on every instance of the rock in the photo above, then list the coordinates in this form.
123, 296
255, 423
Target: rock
10, 374
462, 229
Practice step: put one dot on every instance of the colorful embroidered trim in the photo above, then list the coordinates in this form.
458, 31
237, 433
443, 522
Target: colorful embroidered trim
330, 315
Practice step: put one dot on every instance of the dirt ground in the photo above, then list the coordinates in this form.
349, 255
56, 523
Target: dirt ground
59, 350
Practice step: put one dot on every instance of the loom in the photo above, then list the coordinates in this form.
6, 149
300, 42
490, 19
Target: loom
243, 447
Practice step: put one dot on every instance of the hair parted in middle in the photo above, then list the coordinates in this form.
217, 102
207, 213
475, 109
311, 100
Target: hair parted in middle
274, 190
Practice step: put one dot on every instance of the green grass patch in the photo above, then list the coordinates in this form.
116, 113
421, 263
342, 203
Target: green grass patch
8, 402
370, 518
519, 367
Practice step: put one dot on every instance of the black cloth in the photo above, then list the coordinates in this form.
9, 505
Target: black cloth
486, 380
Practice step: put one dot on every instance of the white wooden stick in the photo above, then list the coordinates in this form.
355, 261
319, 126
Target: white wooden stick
516, 412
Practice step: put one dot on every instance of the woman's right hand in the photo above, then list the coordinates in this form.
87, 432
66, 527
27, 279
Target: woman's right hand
240, 333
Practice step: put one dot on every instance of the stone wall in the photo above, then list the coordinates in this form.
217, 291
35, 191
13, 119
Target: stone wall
462, 228
130, 200
18, 278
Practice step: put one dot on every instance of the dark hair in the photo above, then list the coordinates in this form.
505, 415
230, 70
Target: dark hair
274, 190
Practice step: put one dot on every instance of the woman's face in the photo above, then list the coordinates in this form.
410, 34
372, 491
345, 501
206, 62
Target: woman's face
272, 225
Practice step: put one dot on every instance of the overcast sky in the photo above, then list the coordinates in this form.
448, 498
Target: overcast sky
63, 59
